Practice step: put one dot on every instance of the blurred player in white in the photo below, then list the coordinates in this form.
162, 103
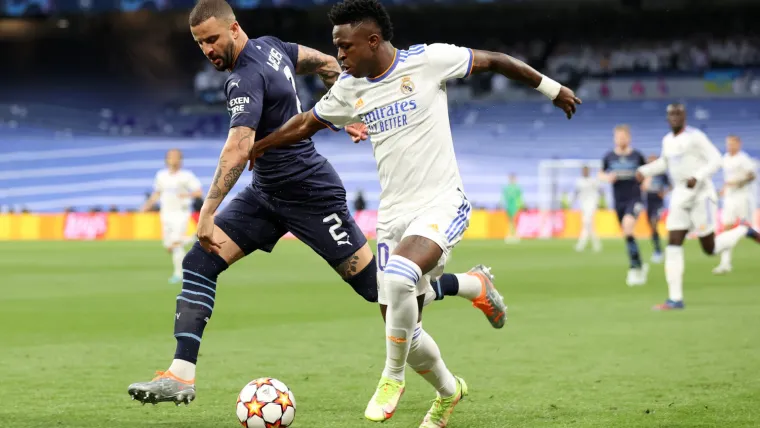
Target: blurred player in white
174, 189
691, 159
738, 175
400, 95
587, 191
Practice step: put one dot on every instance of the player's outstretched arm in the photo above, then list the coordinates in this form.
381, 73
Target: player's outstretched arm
296, 129
514, 69
312, 61
712, 156
660, 166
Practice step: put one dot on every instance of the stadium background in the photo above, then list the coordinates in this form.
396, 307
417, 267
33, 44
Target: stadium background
92, 98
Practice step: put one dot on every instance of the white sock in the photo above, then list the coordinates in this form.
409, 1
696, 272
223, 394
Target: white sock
400, 280
470, 286
178, 254
674, 268
184, 370
425, 359
725, 258
728, 239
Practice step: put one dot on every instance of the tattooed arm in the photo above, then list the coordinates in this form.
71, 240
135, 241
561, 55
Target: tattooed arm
312, 61
232, 163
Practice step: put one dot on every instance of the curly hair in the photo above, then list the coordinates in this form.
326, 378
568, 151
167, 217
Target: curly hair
356, 11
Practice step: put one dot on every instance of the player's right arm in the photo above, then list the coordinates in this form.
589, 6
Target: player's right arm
153, 196
604, 174
332, 111
657, 167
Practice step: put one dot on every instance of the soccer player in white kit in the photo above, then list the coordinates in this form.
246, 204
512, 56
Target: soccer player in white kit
587, 190
738, 175
691, 159
400, 95
174, 189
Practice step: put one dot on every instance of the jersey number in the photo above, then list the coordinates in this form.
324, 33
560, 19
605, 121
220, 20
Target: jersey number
383, 252
289, 76
342, 237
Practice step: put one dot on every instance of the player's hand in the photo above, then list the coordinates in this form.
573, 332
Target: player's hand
612, 177
357, 132
690, 183
252, 158
639, 176
206, 234
567, 101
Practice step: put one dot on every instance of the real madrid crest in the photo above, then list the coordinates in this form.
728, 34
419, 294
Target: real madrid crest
407, 86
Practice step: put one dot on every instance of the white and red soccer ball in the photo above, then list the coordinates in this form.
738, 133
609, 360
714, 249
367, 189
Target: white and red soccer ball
266, 403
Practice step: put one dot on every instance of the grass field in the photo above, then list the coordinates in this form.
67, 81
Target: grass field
81, 321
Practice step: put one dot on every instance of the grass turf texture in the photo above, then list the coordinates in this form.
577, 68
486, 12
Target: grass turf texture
80, 321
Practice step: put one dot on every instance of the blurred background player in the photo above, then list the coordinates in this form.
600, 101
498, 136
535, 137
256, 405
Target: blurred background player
738, 175
175, 189
691, 159
655, 188
587, 192
512, 201
619, 168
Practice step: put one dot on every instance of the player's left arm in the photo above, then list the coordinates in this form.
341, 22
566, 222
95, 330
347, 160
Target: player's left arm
195, 187
749, 166
312, 61
712, 158
514, 69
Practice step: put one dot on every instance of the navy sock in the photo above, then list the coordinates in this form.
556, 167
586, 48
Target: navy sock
633, 252
365, 282
447, 285
656, 242
196, 301
752, 233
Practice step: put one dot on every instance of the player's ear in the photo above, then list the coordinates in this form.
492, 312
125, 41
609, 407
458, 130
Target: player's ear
235, 29
374, 41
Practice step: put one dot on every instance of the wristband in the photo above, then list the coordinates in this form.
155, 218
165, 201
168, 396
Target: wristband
549, 87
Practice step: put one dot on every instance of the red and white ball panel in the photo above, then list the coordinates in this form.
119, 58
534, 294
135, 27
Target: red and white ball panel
266, 403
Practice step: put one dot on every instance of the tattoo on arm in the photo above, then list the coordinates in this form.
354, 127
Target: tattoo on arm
348, 268
237, 150
312, 61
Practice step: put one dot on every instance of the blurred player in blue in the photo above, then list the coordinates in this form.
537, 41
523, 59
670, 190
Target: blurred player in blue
619, 168
656, 188
294, 189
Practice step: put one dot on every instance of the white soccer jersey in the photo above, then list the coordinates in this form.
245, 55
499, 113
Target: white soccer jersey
588, 192
406, 111
737, 168
175, 189
686, 155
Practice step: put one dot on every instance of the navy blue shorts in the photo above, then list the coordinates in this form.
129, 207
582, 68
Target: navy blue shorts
313, 209
624, 208
654, 210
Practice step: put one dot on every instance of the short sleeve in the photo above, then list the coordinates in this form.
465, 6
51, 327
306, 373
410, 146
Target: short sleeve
642, 159
748, 163
334, 111
245, 99
606, 163
448, 61
289, 49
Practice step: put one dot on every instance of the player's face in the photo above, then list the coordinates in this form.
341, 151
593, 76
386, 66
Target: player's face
676, 118
733, 145
585, 171
356, 46
622, 139
216, 38
174, 159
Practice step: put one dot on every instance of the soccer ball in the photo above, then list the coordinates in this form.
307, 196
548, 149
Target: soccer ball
266, 403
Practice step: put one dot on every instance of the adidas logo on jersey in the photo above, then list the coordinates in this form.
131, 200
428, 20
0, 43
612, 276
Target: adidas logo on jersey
359, 104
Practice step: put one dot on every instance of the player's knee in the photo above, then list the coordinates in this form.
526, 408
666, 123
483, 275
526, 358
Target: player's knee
200, 264
401, 275
364, 283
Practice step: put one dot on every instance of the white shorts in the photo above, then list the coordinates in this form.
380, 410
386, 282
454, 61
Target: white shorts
699, 216
736, 208
443, 223
174, 227
587, 215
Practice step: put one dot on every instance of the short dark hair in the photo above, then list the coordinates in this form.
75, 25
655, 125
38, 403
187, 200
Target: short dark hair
356, 11
207, 9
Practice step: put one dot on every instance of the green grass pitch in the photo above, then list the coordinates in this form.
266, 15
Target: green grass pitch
80, 321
